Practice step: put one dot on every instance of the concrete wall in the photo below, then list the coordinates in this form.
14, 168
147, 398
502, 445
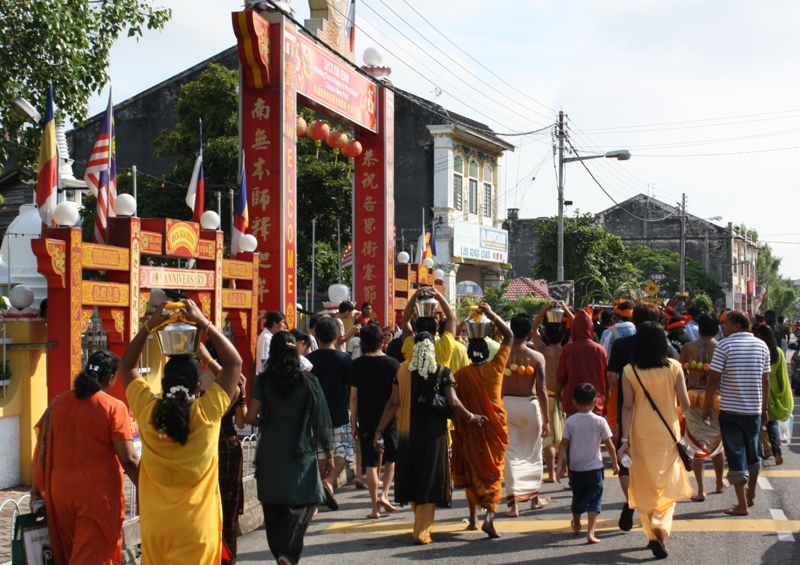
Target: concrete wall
522, 240
140, 120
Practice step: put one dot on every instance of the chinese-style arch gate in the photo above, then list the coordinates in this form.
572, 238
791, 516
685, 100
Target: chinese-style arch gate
280, 64
121, 302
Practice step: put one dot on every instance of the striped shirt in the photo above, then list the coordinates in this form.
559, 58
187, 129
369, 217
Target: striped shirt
740, 359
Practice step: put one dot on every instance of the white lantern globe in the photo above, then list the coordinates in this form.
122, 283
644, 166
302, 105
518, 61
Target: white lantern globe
338, 293
125, 205
403, 257
209, 220
372, 57
21, 296
66, 214
248, 243
428, 262
438, 274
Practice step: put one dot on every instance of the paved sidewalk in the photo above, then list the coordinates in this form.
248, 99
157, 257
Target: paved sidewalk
6, 519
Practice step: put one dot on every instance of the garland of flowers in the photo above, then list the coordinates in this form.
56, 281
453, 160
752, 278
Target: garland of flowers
424, 359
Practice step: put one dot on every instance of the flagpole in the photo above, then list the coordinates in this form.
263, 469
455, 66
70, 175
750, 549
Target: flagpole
110, 115
314, 257
339, 246
133, 172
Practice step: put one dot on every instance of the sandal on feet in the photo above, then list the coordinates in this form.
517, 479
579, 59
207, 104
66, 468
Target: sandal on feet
626, 518
658, 549
330, 501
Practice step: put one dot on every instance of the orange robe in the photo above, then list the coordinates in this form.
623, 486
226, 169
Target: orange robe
479, 451
75, 465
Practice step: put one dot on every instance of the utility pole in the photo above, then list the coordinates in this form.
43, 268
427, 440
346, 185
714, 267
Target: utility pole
561, 136
683, 243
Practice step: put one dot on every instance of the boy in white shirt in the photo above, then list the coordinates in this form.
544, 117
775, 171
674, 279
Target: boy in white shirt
583, 434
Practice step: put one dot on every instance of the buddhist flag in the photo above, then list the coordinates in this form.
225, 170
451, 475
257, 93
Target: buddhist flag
101, 174
47, 181
195, 196
430, 248
241, 218
347, 257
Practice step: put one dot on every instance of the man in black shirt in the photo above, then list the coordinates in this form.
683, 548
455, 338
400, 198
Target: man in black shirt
331, 367
370, 378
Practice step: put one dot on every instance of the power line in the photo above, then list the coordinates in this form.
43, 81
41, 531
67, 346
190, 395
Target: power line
598, 130
478, 62
723, 154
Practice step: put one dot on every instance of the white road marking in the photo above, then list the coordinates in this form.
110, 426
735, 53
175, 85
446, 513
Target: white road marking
783, 535
763, 482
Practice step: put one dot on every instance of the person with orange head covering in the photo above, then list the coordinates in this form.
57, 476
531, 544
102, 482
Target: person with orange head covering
676, 332
623, 311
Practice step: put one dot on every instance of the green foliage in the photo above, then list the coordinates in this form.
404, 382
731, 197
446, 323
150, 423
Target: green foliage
493, 296
591, 254
703, 301
650, 260
66, 44
323, 186
529, 305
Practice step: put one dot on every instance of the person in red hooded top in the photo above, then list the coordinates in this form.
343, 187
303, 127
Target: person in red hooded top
582, 361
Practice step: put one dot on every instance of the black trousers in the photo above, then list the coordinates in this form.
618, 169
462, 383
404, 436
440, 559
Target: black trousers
286, 526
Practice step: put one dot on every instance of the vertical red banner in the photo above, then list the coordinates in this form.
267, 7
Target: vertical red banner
269, 124
373, 213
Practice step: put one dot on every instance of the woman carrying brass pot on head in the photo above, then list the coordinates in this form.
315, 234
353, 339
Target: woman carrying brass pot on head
180, 508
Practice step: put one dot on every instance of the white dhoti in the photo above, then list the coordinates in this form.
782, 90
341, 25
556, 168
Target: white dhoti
705, 440
523, 471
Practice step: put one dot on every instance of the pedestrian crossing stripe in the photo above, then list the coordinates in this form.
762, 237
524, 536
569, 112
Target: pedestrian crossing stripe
517, 526
783, 473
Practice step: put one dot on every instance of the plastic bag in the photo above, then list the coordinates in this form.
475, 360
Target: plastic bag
785, 429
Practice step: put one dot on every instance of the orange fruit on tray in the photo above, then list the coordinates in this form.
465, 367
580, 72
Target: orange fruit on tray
528, 370
521, 369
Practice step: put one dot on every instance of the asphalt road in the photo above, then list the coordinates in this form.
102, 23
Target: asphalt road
702, 533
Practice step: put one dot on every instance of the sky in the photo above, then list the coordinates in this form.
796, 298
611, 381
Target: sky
702, 93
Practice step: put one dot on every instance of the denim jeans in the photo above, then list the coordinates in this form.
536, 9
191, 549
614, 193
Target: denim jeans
741, 439
774, 436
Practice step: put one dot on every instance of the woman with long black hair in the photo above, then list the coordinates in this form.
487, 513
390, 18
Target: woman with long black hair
179, 501
290, 407
781, 401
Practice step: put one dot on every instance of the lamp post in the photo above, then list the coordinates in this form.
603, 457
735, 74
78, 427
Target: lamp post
619, 155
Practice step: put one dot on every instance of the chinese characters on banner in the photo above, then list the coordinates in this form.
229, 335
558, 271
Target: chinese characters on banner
373, 213
269, 121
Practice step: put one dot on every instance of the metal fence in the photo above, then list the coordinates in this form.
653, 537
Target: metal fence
249, 444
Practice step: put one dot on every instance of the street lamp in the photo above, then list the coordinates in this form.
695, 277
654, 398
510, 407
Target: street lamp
619, 155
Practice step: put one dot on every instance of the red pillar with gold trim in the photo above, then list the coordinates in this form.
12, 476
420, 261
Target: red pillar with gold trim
269, 120
373, 213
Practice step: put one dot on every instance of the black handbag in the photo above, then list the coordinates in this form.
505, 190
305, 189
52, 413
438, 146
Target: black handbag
685, 457
438, 402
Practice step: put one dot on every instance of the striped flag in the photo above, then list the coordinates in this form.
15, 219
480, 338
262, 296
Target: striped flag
431, 242
241, 219
347, 257
350, 25
101, 174
47, 181
195, 196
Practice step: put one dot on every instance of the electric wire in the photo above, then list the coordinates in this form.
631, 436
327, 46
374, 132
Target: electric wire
478, 62
599, 130
449, 57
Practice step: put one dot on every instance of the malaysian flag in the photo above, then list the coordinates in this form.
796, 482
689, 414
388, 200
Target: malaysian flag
241, 218
347, 258
102, 167
195, 196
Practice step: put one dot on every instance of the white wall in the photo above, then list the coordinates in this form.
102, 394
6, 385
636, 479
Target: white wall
9, 452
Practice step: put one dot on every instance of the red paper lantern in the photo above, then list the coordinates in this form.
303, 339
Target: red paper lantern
302, 126
336, 140
318, 131
351, 150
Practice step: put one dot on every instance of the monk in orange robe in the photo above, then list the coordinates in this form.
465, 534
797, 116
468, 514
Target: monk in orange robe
479, 451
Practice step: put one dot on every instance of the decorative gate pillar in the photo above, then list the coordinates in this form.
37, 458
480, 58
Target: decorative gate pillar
373, 213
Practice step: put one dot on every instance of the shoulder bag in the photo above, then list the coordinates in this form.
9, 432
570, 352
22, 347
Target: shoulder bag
438, 402
687, 460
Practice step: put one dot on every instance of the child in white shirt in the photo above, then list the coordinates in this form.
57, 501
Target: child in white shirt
583, 434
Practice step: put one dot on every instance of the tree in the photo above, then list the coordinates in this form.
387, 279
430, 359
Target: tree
650, 260
323, 186
66, 44
591, 253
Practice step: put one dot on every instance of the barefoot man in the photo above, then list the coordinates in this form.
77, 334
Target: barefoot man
479, 452
551, 350
525, 402
740, 370
707, 440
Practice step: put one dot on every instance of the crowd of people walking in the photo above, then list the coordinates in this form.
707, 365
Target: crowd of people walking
420, 412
